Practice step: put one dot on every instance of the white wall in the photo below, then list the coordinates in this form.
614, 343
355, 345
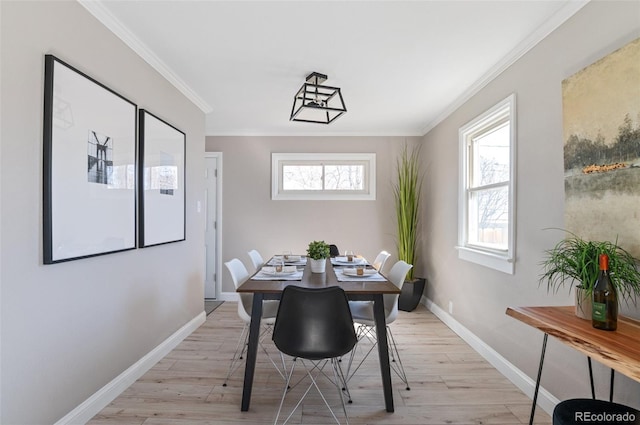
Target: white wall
68, 329
251, 220
480, 296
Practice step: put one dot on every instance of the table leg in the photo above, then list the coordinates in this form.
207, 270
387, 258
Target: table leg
383, 350
593, 388
535, 392
252, 350
611, 386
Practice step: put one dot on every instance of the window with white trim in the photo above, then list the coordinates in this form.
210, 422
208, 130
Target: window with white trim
323, 176
486, 227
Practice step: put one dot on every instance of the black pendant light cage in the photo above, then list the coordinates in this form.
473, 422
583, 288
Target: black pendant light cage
317, 103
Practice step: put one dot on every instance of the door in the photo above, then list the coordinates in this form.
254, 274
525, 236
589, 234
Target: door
212, 226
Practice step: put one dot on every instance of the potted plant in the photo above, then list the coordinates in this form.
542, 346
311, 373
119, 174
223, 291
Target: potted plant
406, 193
574, 261
318, 252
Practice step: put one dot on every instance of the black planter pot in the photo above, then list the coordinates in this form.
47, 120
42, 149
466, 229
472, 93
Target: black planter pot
411, 294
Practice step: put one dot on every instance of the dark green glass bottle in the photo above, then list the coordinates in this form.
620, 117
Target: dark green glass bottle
605, 300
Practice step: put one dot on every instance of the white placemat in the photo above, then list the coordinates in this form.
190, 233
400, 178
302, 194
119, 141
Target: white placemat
267, 273
342, 261
346, 278
302, 262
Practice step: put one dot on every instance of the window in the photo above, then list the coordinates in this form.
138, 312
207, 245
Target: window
323, 176
486, 229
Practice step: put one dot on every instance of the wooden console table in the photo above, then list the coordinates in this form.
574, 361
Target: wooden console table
620, 349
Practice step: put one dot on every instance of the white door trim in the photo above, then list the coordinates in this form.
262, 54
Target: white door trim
218, 270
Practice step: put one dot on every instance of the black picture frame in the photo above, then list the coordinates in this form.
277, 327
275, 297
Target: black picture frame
161, 181
89, 166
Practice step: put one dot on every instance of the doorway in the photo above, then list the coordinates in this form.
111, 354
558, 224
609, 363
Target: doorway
212, 239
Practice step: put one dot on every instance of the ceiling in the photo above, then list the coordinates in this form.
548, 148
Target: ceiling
403, 66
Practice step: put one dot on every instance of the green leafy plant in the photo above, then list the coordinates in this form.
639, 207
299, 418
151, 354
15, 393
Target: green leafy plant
318, 250
407, 202
576, 261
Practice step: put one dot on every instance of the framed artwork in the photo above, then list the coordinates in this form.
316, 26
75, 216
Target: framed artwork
161, 181
89, 188
601, 125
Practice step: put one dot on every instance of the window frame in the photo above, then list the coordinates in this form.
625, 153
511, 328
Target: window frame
368, 160
498, 259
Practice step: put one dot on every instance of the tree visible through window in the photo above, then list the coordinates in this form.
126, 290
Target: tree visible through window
487, 219
323, 176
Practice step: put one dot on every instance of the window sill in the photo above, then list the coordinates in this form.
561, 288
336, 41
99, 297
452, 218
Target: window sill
502, 263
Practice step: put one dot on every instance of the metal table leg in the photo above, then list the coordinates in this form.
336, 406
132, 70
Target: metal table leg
252, 350
535, 392
383, 350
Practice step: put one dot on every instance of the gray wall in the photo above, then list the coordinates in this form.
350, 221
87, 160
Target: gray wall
70, 328
480, 296
251, 220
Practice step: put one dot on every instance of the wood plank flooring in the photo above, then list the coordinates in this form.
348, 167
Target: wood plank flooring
450, 383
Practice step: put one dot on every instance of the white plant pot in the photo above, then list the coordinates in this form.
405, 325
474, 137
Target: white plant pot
318, 266
583, 304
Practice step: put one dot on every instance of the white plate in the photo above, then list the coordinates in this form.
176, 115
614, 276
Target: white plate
354, 272
293, 259
290, 260
286, 270
343, 260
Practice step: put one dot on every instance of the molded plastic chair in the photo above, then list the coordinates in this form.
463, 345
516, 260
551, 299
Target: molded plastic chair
314, 325
572, 412
333, 251
239, 275
362, 313
256, 259
380, 260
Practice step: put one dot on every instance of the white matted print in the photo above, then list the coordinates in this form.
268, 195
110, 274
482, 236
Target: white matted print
89, 190
162, 185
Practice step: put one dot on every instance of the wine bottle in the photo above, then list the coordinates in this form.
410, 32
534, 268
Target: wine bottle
605, 300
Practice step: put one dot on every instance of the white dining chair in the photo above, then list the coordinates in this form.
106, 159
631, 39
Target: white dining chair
362, 313
239, 274
380, 260
256, 259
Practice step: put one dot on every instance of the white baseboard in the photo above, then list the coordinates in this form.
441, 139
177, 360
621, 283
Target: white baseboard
98, 401
228, 296
546, 400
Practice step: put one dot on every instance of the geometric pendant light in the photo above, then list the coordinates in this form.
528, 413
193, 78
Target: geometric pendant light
317, 103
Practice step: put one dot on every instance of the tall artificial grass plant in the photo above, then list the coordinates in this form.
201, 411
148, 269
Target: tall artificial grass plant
407, 202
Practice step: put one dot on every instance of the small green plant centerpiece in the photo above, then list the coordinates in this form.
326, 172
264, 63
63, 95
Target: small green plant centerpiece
574, 261
318, 252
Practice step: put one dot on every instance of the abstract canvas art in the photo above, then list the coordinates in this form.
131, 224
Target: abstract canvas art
601, 126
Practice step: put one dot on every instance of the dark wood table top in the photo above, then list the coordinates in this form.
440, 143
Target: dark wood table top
619, 349
319, 280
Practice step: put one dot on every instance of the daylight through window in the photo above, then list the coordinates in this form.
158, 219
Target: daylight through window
487, 148
323, 176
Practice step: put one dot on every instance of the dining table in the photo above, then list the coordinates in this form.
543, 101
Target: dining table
357, 288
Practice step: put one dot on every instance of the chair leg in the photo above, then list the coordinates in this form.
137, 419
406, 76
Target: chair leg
339, 377
369, 333
362, 332
317, 367
241, 349
398, 368
237, 354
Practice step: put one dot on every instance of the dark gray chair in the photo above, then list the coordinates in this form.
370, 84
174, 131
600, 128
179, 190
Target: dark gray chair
333, 251
314, 325
586, 410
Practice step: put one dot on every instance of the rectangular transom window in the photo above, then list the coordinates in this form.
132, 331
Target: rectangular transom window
487, 188
323, 176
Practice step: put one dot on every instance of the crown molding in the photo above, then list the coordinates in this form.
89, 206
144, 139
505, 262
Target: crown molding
102, 14
567, 11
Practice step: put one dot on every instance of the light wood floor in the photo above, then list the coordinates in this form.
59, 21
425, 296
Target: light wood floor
450, 383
